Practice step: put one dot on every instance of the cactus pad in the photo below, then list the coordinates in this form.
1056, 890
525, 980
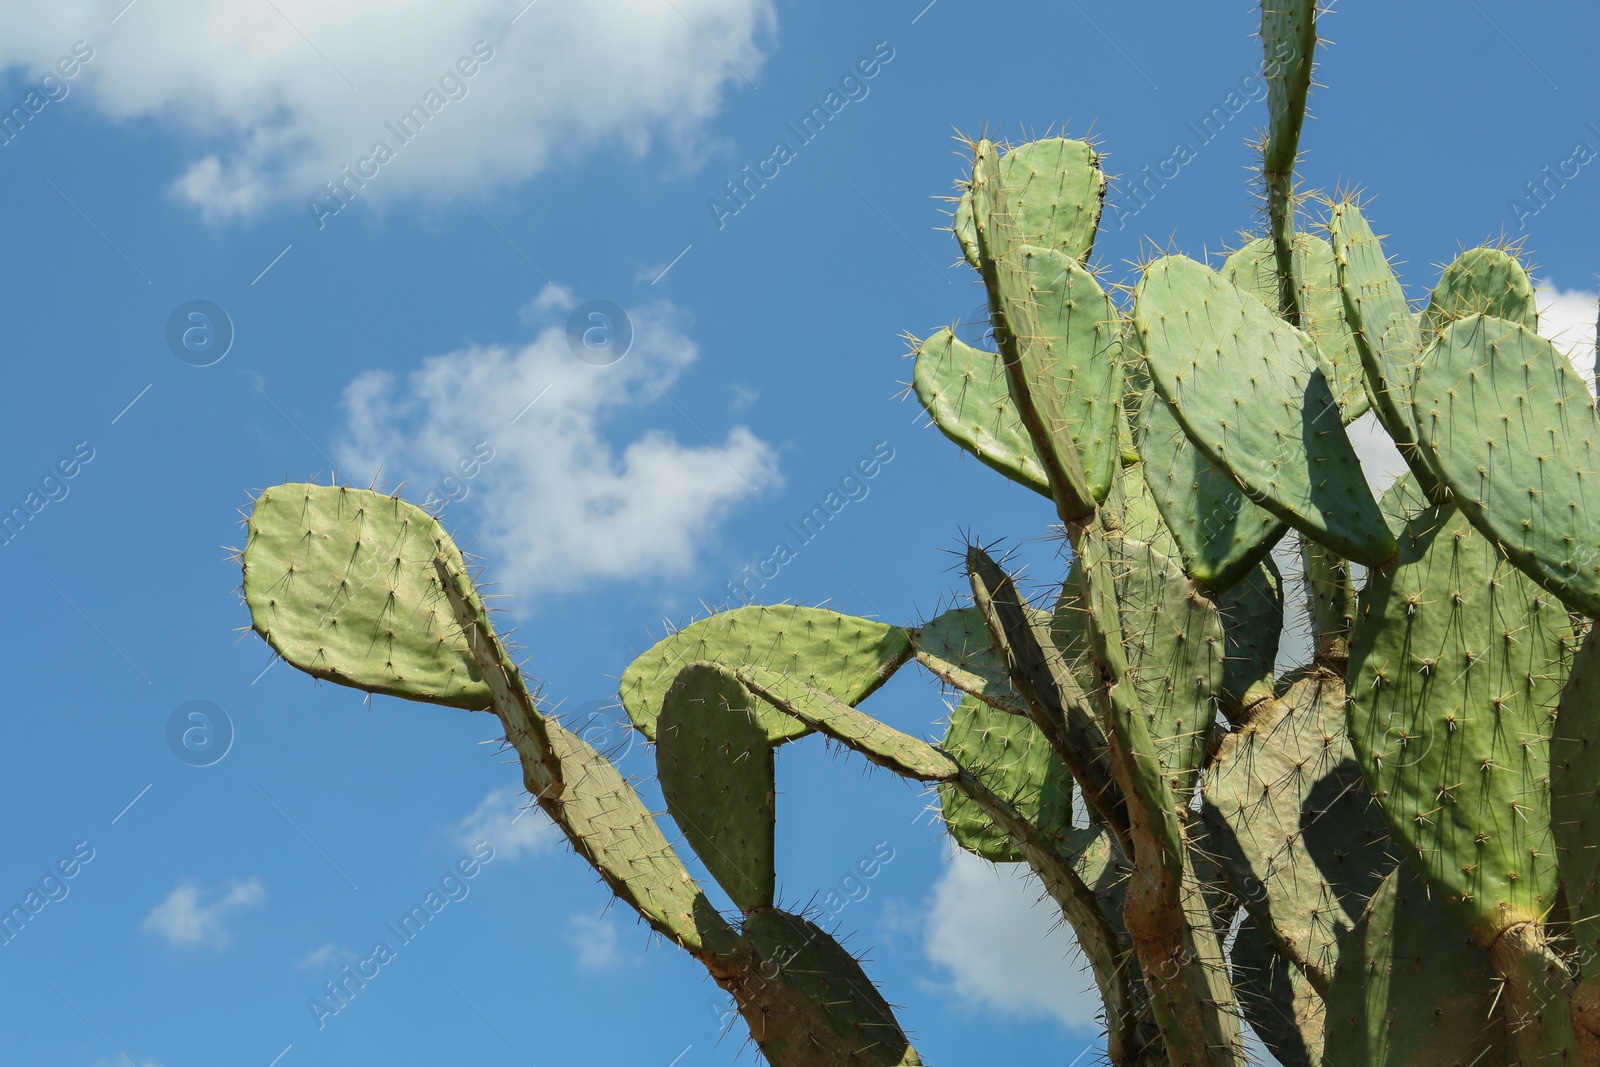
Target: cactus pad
964, 391
838, 654
610, 827
1252, 625
1276, 1000
1011, 757
1455, 666
1412, 988
1255, 399
1481, 281
1291, 820
1054, 190
801, 956
1510, 425
1221, 534
1386, 332
1575, 801
715, 765
341, 583
955, 646
1254, 268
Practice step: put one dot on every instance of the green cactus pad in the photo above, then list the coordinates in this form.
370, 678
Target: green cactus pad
1137, 512
341, 583
1252, 624
1054, 190
838, 654
1221, 534
1082, 331
715, 765
1575, 799
1481, 281
1277, 1001
955, 646
1412, 988
1011, 756
1386, 332
1254, 268
1033, 369
609, 826
1055, 701
1291, 820
1174, 643
1255, 400
1455, 667
882, 744
1512, 428
801, 956
1288, 42
964, 390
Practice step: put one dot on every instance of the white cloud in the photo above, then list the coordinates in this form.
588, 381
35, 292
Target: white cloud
505, 820
266, 88
1567, 318
1002, 945
558, 507
319, 956
595, 940
186, 922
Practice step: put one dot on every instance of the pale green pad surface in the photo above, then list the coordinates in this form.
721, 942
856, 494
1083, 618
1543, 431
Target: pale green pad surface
716, 771
1386, 331
1412, 989
1255, 400
610, 827
1481, 281
956, 647
1288, 43
841, 655
1512, 428
1174, 643
964, 390
1054, 190
1291, 820
1082, 330
1254, 268
857, 730
1221, 534
1455, 666
1010, 756
341, 583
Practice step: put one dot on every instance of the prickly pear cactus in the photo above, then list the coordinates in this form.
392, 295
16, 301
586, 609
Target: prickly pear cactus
1385, 857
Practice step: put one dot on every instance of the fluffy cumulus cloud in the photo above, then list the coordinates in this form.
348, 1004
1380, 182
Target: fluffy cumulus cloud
558, 506
1002, 949
191, 918
280, 95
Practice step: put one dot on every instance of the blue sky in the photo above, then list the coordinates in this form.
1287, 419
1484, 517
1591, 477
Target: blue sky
185, 157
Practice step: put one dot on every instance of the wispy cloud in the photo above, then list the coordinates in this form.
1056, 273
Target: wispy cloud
595, 939
502, 820
189, 917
